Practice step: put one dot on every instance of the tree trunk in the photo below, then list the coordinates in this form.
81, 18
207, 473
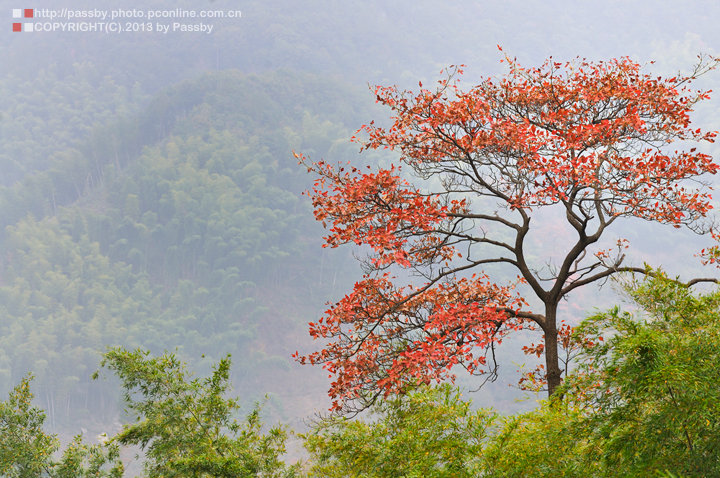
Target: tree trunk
552, 363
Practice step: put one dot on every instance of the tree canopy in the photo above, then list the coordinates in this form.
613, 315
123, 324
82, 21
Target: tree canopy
186, 425
590, 141
642, 402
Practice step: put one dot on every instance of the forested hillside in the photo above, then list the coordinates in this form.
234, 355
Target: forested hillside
201, 242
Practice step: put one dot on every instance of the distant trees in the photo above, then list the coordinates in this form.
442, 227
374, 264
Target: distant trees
186, 244
587, 141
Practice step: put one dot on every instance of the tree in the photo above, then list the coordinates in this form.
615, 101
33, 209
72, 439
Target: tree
26, 451
429, 432
80, 460
186, 425
643, 401
547, 442
649, 390
586, 141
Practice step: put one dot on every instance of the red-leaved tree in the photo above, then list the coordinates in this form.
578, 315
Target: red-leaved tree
589, 139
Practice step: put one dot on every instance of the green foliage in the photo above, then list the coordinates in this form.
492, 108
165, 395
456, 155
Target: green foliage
548, 442
186, 426
430, 432
650, 389
61, 301
46, 136
188, 243
80, 460
643, 402
26, 451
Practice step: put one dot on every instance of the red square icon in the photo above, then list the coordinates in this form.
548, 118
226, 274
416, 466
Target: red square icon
28, 13
17, 27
